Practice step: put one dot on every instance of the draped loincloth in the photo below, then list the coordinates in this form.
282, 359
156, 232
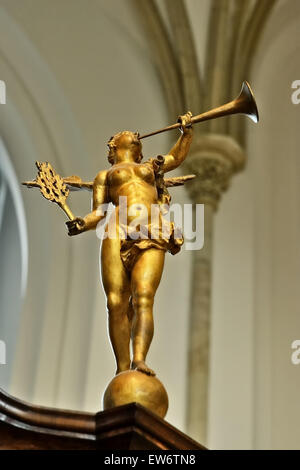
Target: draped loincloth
152, 237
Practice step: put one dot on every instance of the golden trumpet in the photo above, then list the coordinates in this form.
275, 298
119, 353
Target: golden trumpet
243, 104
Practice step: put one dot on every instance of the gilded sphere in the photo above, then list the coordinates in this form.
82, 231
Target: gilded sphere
135, 386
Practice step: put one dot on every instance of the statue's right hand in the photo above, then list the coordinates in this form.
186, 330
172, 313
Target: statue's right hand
75, 226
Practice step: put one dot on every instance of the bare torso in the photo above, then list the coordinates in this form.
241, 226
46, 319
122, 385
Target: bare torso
136, 183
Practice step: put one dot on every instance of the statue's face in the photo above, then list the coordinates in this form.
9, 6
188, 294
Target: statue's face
122, 143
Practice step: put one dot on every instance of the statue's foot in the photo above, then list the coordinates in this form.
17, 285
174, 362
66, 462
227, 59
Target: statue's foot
122, 369
142, 367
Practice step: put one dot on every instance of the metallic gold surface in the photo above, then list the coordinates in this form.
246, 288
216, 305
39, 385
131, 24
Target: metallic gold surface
75, 183
243, 104
52, 186
134, 386
130, 294
131, 270
129, 287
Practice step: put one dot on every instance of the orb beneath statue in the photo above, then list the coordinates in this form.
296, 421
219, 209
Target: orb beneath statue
135, 386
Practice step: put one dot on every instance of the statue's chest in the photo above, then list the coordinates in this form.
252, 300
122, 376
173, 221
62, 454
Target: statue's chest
124, 173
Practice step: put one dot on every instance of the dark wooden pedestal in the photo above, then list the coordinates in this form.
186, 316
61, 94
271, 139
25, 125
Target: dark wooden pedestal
128, 427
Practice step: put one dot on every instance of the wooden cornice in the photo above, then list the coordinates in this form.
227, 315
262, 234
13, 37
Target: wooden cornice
27, 426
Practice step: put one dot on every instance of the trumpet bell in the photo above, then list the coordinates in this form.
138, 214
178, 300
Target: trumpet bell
246, 102
243, 104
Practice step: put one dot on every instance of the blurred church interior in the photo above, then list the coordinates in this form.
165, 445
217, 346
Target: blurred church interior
77, 72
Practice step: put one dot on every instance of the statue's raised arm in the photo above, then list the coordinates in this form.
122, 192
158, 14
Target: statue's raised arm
180, 150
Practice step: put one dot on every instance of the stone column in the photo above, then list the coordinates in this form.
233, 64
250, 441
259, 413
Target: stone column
214, 159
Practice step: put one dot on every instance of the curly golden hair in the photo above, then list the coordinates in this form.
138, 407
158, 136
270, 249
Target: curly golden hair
112, 145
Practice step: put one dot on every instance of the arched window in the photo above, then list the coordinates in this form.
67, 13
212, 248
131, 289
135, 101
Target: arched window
13, 261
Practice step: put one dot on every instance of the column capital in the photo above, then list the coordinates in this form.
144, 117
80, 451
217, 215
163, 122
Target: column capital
214, 158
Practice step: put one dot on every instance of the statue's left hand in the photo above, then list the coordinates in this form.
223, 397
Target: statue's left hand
185, 121
75, 226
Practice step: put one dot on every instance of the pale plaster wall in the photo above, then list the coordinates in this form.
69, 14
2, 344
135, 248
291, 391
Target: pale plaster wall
254, 399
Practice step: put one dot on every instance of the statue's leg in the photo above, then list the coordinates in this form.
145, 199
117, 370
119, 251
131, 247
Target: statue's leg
130, 314
117, 288
145, 278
